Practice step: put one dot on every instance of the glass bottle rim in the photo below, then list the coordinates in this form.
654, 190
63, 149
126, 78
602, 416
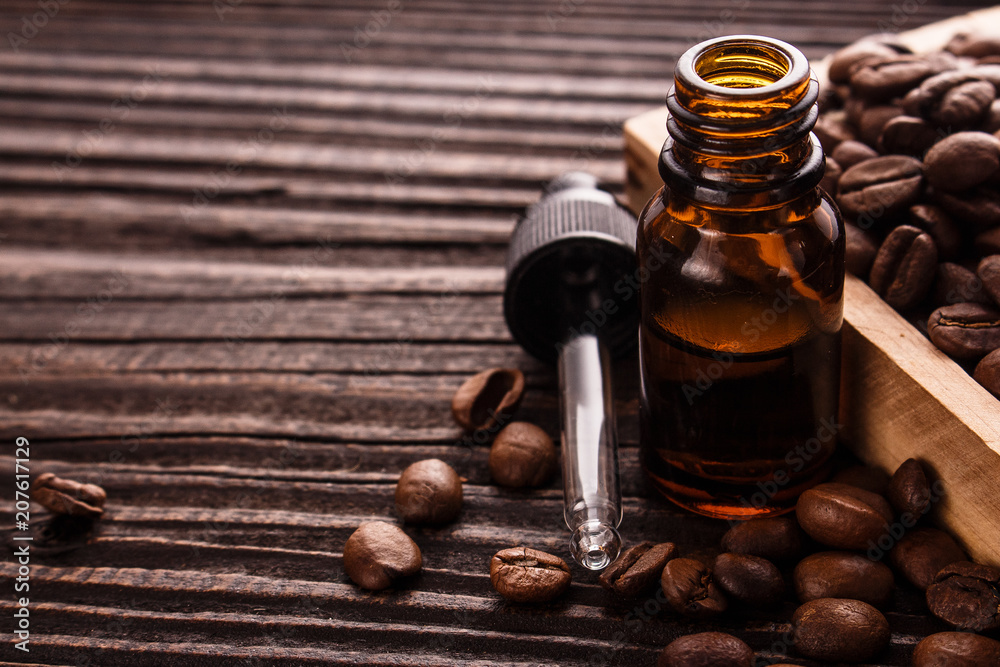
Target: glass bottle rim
690, 67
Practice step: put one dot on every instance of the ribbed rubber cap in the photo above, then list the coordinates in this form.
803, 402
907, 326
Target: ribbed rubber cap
566, 258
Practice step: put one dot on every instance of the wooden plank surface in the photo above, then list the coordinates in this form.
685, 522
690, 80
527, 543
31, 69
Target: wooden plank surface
244, 262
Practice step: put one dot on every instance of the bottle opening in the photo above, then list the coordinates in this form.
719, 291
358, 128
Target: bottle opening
739, 64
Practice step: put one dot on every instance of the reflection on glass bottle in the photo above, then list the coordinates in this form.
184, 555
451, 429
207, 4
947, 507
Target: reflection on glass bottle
741, 318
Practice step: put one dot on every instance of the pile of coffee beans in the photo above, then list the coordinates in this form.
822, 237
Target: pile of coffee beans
857, 525
839, 555
913, 161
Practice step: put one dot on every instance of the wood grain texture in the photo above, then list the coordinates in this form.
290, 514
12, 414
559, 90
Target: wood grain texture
902, 397
244, 263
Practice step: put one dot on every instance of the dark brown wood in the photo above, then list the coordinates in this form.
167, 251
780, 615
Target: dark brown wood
247, 373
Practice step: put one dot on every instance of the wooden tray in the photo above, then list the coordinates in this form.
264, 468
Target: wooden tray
900, 396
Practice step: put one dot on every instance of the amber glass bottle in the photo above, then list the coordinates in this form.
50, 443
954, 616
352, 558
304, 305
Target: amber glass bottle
743, 304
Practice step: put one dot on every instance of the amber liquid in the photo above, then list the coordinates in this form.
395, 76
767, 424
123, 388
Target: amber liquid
737, 435
740, 363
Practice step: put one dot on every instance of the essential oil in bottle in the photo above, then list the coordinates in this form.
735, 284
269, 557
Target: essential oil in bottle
741, 314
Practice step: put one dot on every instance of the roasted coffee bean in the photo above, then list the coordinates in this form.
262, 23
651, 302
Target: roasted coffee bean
987, 372
973, 46
773, 538
842, 516
989, 72
706, 649
884, 79
965, 331
67, 496
379, 553
850, 58
830, 98
942, 228
873, 120
429, 492
522, 455
956, 284
976, 210
904, 267
923, 552
487, 399
637, 569
860, 250
749, 579
962, 161
957, 649
521, 574
965, 595
909, 490
838, 630
907, 135
988, 272
880, 186
864, 477
853, 108
843, 574
831, 176
954, 100
987, 243
992, 122
850, 153
831, 129
690, 589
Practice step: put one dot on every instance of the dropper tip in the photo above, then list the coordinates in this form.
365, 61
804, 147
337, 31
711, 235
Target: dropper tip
595, 545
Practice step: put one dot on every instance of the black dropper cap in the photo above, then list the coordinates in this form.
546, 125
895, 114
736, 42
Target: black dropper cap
565, 260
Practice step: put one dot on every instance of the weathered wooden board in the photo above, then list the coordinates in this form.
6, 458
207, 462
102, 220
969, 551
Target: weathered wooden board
275, 352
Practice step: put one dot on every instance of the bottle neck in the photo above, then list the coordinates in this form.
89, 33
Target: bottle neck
741, 114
